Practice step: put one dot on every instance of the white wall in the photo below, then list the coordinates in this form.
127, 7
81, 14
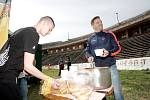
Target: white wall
124, 64
134, 64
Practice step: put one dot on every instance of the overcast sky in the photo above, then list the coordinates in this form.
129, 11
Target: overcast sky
73, 16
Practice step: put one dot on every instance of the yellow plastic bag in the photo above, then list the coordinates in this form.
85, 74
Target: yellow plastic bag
46, 87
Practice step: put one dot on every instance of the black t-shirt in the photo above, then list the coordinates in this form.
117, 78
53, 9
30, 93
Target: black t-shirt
23, 40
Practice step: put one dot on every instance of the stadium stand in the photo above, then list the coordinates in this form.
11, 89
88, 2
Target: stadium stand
133, 34
135, 47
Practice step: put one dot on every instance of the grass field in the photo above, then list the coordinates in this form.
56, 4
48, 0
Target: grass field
135, 85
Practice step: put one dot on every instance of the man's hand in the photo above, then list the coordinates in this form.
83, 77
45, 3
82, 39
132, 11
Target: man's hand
55, 84
90, 59
105, 53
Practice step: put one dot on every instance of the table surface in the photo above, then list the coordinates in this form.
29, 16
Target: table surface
59, 95
94, 96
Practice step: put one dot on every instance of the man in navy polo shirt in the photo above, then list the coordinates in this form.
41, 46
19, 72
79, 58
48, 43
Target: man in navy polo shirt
106, 42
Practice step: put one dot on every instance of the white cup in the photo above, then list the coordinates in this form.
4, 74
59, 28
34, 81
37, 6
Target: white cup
99, 52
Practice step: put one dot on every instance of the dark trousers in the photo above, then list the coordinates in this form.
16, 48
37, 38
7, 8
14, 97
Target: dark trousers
68, 67
60, 68
9, 91
104, 98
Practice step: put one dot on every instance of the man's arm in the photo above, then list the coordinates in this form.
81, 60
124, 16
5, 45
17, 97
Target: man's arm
87, 50
28, 66
88, 55
116, 46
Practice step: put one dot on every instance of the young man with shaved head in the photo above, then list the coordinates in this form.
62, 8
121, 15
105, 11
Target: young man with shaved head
20, 56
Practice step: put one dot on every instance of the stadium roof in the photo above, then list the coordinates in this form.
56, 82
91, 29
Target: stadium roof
122, 25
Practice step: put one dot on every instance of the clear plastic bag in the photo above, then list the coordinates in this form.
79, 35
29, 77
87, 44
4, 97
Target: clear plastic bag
80, 84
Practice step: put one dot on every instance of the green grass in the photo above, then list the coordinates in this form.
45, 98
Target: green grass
51, 72
135, 85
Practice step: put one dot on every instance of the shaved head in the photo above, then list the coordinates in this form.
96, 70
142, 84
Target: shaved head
47, 19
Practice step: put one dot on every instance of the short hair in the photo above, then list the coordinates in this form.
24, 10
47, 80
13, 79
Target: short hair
47, 18
96, 17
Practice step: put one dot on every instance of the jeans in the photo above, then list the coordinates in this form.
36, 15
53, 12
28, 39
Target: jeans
116, 83
23, 87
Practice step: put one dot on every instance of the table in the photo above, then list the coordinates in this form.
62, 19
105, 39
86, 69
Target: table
96, 95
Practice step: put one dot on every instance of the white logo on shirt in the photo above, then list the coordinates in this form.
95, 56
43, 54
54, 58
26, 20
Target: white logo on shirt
33, 47
4, 57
